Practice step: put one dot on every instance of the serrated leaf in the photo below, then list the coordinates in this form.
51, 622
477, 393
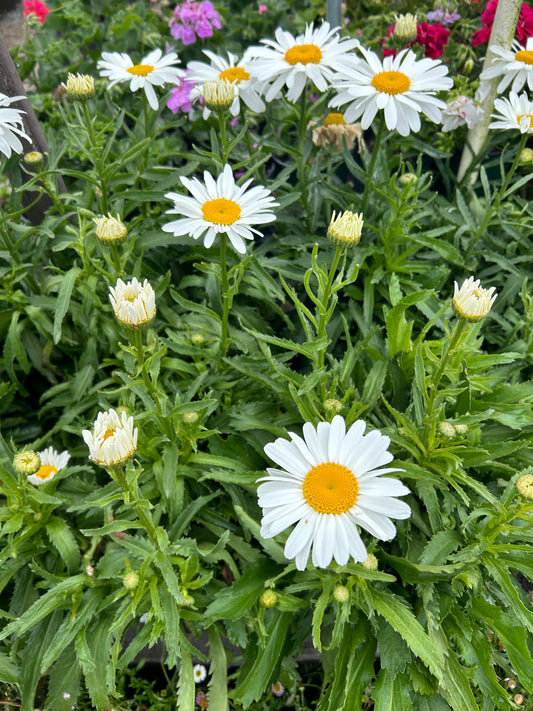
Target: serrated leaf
63, 300
185, 695
320, 607
218, 666
63, 539
392, 694
9, 671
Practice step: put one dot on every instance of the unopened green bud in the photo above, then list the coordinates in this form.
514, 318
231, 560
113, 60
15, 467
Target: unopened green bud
469, 65
130, 580
524, 486
268, 598
446, 429
188, 600
197, 339
190, 418
407, 179
461, 429
33, 158
26, 462
405, 28
526, 156
371, 563
333, 405
341, 594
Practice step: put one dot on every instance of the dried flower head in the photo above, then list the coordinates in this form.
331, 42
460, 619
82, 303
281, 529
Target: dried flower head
472, 302
346, 229
334, 129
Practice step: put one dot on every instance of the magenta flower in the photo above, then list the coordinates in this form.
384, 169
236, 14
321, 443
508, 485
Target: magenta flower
192, 19
262, 9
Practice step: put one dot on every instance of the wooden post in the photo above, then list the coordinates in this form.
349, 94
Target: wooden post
11, 85
502, 34
333, 12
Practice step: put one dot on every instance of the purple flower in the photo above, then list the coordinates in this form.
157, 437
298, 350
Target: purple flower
181, 97
444, 17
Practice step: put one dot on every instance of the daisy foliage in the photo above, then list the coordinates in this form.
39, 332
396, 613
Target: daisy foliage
402, 87
330, 483
220, 207
155, 69
290, 61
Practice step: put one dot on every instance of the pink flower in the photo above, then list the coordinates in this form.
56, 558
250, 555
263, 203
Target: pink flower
262, 9
37, 8
192, 19
181, 97
524, 27
433, 37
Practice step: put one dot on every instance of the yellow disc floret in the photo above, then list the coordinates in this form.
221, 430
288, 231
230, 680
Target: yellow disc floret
303, 54
141, 69
330, 488
221, 211
234, 74
524, 55
391, 82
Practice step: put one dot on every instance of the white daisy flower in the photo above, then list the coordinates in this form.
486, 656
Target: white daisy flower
317, 55
51, 463
220, 206
133, 302
402, 86
11, 126
113, 440
516, 112
153, 70
233, 70
513, 65
330, 483
472, 302
200, 673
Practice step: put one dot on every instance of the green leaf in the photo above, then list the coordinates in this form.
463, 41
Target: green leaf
63, 539
394, 652
415, 573
392, 694
374, 382
440, 547
63, 300
271, 547
9, 671
267, 660
218, 666
398, 330
185, 700
115, 526
234, 602
320, 607
64, 679
36, 646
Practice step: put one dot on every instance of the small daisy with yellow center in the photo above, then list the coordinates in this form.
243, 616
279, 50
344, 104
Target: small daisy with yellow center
155, 69
330, 483
11, 126
113, 440
401, 86
51, 463
110, 230
290, 61
220, 207
472, 302
80, 87
231, 70
199, 673
515, 113
133, 302
278, 689
513, 65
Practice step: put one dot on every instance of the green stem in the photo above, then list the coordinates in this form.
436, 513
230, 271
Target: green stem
222, 117
142, 363
131, 498
224, 288
370, 170
95, 155
323, 309
302, 167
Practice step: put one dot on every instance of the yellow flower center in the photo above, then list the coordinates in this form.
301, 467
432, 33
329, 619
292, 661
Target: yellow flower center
525, 55
391, 82
108, 434
330, 488
141, 69
303, 54
221, 211
334, 119
234, 74
45, 471
529, 116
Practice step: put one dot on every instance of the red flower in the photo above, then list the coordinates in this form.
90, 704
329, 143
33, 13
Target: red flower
433, 37
37, 8
524, 27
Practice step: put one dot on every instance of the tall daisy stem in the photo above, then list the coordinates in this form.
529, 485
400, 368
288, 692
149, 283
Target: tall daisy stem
302, 173
223, 136
226, 299
95, 153
325, 310
372, 164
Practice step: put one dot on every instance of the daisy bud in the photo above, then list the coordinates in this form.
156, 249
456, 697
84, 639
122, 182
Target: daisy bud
333, 407
524, 486
113, 440
197, 339
89, 570
471, 302
190, 418
188, 600
33, 158
218, 95
26, 462
341, 594
526, 156
469, 65
447, 430
133, 303
278, 689
405, 28
407, 179
130, 580
110, 230
80, 87
461, 430
346, 228
371, 563
268, 598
